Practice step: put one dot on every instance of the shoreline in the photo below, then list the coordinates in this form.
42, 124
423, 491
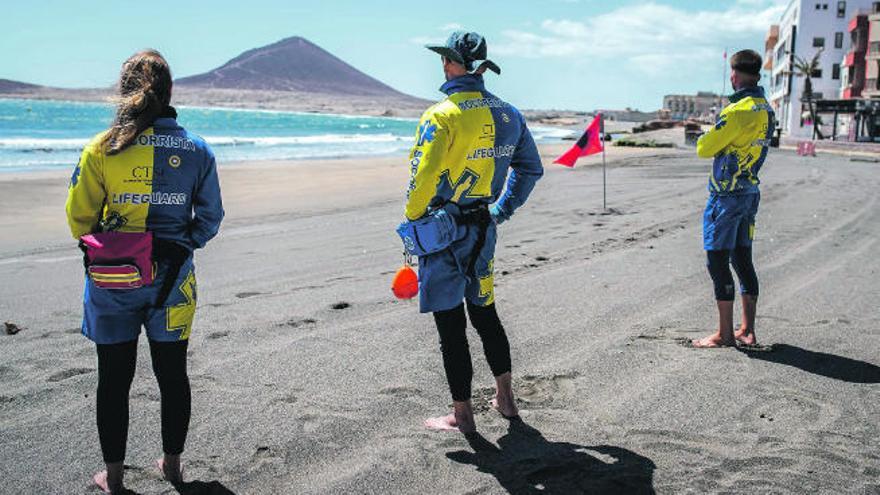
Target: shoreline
548, 151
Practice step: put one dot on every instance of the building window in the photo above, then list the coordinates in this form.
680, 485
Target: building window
841, 9
875, 7
817, 74
835, 71
818, 6
818, 42
824, 6
838, 40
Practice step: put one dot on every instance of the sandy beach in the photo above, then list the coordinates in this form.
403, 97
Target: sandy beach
308, 377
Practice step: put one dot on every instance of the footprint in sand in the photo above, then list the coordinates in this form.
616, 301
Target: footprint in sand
532, 391
244, 295
218, 335
7, 372
64, 375
340, 305
774, 318
285, 399
265, 455
296, 322
402, 391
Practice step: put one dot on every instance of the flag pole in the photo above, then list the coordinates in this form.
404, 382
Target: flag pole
602, 134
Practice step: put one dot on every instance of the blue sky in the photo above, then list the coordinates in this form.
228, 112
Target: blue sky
572, 54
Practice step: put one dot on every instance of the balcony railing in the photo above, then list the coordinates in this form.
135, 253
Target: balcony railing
871, 84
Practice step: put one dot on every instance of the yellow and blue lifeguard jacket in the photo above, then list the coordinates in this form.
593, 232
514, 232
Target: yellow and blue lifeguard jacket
739, 142
165, 183
464, 147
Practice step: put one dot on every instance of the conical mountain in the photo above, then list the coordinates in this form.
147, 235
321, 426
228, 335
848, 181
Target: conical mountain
292, 64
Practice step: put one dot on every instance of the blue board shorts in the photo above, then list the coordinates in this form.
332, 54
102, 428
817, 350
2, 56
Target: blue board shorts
115, 316
729, 221
443, 283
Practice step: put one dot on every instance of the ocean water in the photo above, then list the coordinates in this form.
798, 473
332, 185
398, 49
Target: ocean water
40, 135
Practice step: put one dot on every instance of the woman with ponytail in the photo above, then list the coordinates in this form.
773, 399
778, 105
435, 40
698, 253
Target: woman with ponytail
144, 195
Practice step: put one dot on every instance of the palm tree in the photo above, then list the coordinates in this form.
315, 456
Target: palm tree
807, 68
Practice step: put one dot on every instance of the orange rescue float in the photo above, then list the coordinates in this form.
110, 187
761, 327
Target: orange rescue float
405, 284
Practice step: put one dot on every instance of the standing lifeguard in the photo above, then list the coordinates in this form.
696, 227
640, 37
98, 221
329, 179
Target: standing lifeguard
144, 195
465, 146
738, 142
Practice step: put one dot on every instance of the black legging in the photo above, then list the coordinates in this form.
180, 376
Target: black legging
452, 325
741, 259
116, 364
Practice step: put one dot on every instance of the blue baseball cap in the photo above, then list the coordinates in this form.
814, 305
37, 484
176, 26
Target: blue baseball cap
467, 49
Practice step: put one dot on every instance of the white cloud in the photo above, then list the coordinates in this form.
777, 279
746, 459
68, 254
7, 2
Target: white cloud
452, 26
439, 39
649, 36
428, 40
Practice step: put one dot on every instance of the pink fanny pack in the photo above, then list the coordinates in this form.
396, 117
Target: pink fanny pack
120, 260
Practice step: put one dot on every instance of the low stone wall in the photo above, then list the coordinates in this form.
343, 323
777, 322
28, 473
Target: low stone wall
837, 147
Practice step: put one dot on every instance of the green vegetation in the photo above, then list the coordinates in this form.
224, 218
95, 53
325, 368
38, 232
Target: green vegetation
650, 143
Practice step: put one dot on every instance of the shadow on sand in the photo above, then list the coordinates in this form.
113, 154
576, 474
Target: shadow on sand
524, 462
819, 363
197, 487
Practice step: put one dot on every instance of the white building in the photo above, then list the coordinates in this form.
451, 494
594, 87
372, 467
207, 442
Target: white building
805, 27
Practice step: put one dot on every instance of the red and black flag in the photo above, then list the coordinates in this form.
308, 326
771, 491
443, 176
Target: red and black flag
589, 143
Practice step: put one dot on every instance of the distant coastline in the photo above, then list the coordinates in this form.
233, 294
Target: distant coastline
285, 101
282, 101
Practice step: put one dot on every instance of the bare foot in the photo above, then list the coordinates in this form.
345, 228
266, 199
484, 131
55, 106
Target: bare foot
712, 341
450, 423
506, 407
170, 469
110, 479
100, 480
746, 337
442, 423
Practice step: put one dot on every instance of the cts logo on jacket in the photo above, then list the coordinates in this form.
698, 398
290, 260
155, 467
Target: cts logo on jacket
146, 185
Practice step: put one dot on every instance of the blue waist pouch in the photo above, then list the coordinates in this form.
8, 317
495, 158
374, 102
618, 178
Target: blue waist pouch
430, 234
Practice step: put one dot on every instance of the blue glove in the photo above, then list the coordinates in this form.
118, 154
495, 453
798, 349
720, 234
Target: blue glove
497, 214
